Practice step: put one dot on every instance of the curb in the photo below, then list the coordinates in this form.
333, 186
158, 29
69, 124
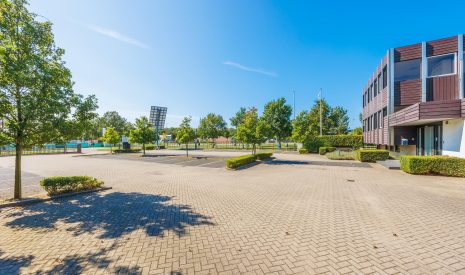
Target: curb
37, 200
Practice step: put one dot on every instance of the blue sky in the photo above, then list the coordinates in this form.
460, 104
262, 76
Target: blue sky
197, 57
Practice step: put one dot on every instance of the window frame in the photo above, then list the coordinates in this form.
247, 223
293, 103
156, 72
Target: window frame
439, 55
410, 79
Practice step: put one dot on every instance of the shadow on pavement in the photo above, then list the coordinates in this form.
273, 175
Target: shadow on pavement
115, 214
14, 264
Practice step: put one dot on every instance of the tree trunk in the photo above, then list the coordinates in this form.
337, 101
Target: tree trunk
253, 149
111, 148
143, 148
187, 150
19, 152
279, 144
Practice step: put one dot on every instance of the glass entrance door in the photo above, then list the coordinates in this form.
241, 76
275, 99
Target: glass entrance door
429, 140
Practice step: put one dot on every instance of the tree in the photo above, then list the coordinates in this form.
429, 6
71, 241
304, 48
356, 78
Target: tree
111, 137
212, 126
277, 114
185, 133
37, 101
307, 124
357, 131
238, 117
252, 130
143, 132
114, 120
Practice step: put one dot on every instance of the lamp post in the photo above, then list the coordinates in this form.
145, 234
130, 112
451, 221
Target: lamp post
321, 111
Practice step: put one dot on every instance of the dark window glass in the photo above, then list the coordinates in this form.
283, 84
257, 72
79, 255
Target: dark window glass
384, 77
440, 65
407, 70
380, 119
380, 85
375, 85
384, 111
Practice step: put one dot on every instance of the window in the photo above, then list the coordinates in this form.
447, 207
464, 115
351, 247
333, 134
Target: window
441, 65
380, 85
407, 70
380, 120
384, 111
375, 85
375, 121
384, 77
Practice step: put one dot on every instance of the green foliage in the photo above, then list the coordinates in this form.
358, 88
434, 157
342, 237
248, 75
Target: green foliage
335, 121
324, 150
119, 151
263, 156
371, 155
142, 133
340, 155
313, 143
234, 163
303, 151
37, 101
111, 137
252, 130
277, 115
212, 126
185, 133
441, 165
114, 120
59, 185
357, 131
238, 118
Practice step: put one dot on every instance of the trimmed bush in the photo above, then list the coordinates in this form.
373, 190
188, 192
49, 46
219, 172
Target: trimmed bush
118, 151
237, 162
440, 165
371, 155
59, 185
324, 150
263, 156
303, 151
313, 143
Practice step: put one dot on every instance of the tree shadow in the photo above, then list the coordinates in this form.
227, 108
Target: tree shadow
114, 213
286, 162
13, 265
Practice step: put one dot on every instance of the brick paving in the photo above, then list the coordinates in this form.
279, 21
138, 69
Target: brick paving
296, 215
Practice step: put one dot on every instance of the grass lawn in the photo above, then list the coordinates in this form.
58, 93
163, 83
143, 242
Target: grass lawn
341, 155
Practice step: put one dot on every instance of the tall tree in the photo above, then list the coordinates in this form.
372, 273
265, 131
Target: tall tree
36, 91
111, 137
252, 129
211, 127
114, 120
277, 114
185, 133
339, 121
238, 117
143, 132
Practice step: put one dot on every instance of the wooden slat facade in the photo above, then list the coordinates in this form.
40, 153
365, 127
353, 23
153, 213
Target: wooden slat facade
442, 46
442, 88
440, 109
407, 52
407, 92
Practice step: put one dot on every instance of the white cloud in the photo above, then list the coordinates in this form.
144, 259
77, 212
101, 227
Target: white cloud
249, 69
114, 34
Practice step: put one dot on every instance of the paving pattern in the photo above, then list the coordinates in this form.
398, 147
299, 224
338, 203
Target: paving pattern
282, 219
30, 183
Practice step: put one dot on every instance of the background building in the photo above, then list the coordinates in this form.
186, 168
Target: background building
414, 101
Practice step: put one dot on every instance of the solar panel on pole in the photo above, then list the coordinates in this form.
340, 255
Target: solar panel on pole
157, 119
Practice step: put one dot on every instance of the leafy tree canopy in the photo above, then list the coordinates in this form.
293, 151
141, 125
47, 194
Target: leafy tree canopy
143, 132
238, 117
252, 130
277, 114
212, 126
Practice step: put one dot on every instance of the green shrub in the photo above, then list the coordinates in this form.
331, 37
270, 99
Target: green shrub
324, 150
263, 156
313, 143
303, 151
441, 165
118, 151
149, 147
236, 162
371, 155
58, 185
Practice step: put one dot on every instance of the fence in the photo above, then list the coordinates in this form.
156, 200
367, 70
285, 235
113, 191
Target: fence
231, 146
38, 151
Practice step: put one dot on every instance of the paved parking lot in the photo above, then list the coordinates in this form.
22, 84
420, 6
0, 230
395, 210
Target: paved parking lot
297, 214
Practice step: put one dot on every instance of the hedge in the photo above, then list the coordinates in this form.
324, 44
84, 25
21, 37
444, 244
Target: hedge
58, 185
440, 165
324, 150
303, 151
234, 163
313, 143
117, 151
263, 156
371, 155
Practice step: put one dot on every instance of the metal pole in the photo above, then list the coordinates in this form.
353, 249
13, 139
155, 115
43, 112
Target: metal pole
156, 135
321, 112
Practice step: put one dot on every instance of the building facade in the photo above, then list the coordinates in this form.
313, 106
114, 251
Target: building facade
414, 101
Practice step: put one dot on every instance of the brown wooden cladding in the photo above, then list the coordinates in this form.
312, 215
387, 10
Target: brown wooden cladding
440, 109
407, 52
408, 114
463, 107
407, 92
442, 88
442, 46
